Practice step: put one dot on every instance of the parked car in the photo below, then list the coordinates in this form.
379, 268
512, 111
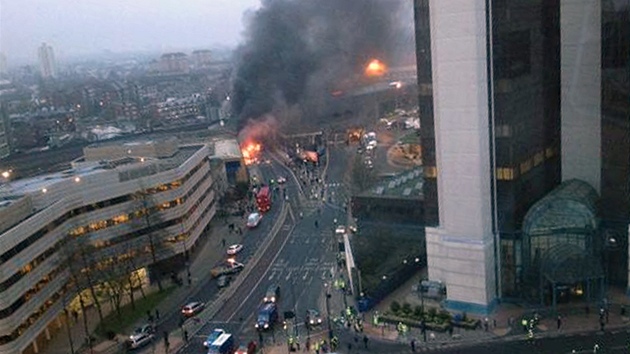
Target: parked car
147, 328
223, 281
234, 249
282, 180
192, 308
139, 340
253, 219
340, 230
213, 336
272, 294
232, 267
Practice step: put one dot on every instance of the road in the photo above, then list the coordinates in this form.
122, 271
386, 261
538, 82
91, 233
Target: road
300, 258
252, 240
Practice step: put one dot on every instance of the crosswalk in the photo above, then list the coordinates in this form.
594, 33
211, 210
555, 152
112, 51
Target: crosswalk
311, 269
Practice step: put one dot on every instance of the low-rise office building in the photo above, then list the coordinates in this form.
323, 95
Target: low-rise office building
63, 232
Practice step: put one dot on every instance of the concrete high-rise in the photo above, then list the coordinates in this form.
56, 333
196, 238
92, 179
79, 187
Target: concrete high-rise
514, 97
47, 65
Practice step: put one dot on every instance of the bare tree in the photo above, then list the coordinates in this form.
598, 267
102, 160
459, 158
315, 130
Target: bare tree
145, 199
69, 257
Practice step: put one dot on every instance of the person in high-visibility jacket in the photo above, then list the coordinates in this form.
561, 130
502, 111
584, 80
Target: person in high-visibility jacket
334, 342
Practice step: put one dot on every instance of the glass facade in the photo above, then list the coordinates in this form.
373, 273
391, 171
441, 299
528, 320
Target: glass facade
615, 134
525, 104
425, 110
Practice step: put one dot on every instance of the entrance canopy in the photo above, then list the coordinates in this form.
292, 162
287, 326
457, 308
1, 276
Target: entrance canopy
567, 215
572, 205
569, 264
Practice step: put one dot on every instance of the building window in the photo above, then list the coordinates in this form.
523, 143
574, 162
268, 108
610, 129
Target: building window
538, 158
430, 172
512, 54
526, 166
505, 173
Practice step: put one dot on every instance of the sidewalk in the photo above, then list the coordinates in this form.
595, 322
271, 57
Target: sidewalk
504, 323
207, 253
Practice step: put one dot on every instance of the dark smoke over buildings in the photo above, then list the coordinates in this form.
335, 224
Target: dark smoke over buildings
295, 51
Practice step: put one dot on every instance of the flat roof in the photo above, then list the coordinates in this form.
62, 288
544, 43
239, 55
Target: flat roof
404, 185
40, 182
227, 149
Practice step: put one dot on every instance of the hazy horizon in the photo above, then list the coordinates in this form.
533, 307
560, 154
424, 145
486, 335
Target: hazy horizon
90, 27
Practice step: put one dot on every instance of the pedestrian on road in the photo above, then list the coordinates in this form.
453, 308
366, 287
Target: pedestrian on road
185, 336
223, 242
157, 315
413, 345
485, 324
75, 315
559, 322
349, 347
365, 341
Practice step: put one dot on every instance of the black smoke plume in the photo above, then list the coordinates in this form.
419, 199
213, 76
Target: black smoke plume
298, 50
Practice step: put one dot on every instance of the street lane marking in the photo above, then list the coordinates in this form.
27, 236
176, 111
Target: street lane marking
288, 275
273, 274
305, 275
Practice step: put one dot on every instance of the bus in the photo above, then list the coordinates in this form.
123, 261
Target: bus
222, 345
263, 199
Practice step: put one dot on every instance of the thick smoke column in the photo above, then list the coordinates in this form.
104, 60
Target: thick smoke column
297, 49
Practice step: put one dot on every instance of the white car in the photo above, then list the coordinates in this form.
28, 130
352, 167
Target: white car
282, 180
234, 249
136, 341
253, 219
340, 230
192, 308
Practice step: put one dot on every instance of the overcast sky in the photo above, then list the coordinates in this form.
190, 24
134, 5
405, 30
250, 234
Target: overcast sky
77, 27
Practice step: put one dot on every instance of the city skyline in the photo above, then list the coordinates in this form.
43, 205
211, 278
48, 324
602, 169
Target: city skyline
89, 27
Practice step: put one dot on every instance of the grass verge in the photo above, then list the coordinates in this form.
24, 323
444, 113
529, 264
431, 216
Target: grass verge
128, 316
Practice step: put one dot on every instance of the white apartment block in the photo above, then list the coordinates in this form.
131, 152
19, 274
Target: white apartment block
113, 201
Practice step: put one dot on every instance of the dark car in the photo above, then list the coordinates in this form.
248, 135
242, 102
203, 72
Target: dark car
272, 294
223, 281
313, 318
267, 316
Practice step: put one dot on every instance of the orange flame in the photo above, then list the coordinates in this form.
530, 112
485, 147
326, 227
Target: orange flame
375, 68
251, 151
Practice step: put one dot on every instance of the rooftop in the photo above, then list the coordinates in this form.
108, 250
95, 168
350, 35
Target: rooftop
128, 167
407, 185
227, 149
